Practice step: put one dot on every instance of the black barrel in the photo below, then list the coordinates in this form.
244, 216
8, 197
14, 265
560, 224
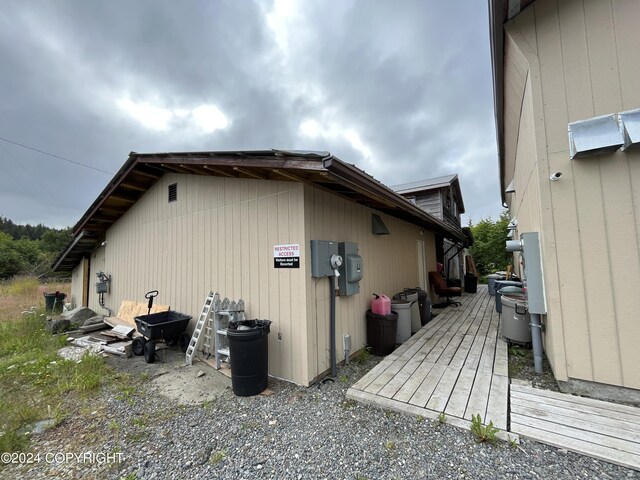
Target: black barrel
424, 304
381, 332
470, 283
53, 302
249, 355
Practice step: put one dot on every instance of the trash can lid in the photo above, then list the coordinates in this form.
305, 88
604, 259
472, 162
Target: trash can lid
401, 304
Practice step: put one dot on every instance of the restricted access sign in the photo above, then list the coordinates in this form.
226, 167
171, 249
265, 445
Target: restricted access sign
286, 256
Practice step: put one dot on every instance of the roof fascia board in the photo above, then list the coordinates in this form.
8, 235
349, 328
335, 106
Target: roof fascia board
247, 162
69, 248
496, 35
352, 175
108, 190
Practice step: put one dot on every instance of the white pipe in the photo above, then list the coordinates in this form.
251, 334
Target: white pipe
346, 342
536, 341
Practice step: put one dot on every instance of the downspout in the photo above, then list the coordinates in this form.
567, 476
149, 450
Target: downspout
332, 325
536, 340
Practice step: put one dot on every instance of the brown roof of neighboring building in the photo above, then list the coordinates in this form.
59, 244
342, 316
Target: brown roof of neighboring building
319, 169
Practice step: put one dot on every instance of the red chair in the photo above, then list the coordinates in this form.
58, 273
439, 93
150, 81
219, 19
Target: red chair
441, 289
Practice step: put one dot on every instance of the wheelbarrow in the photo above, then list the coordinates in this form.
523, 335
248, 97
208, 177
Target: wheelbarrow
168, 327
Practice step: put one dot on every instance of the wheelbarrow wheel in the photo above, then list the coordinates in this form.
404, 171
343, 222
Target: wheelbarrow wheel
171, 341
149, 352
185, 338
138, 345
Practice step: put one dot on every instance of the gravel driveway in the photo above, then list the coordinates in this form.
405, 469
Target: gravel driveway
295, 433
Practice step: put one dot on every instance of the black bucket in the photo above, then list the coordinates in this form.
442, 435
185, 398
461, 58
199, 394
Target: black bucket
381, 332
53, 302
249, 355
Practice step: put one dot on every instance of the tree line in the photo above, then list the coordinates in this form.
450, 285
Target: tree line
489, 244
29, 249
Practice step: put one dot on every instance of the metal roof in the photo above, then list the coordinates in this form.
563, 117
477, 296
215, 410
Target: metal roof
319, 169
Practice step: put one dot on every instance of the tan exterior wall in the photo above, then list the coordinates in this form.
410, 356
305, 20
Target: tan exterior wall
580, 60
77, 283
219, 235
97, 263
390, 263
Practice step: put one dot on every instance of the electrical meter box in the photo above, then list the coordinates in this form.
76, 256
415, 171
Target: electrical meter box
321, 253
351, 269
533, 273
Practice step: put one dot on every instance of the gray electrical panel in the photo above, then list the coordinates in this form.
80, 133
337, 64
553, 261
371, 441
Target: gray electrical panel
351, 269
534, 276
321, 253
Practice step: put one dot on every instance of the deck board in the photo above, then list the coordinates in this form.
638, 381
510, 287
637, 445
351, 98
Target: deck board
598, 429
448, 366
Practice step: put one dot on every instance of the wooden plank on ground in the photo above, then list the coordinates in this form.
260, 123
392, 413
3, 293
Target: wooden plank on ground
407, 390
497, 404
586, 402
404, 375
487, 359
385, 377
442, 393
423, 393
549, 425
568, 401
576, 418
474, 354
460, 395
449, 352
501, 362
579, 446
463, 350
479, 397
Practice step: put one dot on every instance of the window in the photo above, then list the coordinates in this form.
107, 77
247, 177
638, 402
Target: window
173, 192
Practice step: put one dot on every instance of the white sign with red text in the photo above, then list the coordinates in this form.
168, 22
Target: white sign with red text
286, 256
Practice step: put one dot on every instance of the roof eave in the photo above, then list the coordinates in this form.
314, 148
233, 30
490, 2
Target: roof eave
496, 35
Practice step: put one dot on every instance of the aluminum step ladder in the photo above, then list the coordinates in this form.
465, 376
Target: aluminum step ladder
225, 312
196, 338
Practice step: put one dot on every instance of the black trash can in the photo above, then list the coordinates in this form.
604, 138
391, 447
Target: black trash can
249, 355
381, 332
53, 302
470, 283
424, 304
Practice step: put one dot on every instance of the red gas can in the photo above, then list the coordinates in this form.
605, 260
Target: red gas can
381, 305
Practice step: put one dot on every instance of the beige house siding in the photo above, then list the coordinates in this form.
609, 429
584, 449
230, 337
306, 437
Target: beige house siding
77, 283
583, 61
96, 264
390, 263
219, 235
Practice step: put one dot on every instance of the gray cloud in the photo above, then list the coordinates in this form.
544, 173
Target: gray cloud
401, 89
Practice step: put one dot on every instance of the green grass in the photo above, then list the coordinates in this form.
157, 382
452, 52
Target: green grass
34, 380
217, 457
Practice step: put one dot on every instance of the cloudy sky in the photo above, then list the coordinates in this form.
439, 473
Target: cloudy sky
400, 88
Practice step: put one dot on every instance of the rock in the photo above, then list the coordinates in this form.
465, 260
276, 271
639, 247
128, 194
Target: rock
79, 315
57, 326
200, 374
94, 320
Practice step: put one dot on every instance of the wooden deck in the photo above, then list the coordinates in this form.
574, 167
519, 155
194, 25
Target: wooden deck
603, 430
455, 364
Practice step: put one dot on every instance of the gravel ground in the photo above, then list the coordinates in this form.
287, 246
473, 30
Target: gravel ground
295, 433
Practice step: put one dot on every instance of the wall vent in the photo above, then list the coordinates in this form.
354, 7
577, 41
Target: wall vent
173, 192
